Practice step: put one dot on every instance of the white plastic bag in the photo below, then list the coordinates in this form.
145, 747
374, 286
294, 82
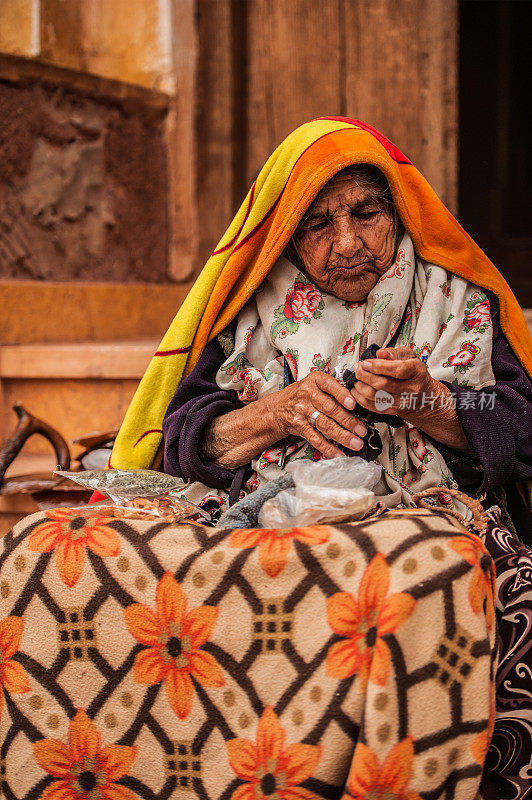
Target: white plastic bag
330, 490
337, 473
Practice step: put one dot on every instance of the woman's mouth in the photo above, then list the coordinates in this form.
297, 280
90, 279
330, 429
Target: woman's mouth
353, 268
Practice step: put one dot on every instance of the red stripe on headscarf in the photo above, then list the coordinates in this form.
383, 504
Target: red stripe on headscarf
176, 352
237, 234
394, 151
272, 207
152, 430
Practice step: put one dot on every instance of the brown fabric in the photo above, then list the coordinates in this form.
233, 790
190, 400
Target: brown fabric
145, 660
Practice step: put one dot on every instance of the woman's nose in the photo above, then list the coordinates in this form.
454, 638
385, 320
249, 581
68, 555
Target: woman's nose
346, 240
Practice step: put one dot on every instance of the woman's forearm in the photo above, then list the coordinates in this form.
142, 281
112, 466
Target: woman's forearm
440, 420
235, 438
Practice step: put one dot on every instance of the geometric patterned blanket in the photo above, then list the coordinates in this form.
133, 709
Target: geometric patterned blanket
154, 661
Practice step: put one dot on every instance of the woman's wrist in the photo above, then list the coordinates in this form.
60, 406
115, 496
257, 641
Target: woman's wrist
235, 438
435, 414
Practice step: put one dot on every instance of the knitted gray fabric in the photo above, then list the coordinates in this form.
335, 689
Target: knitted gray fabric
245, 513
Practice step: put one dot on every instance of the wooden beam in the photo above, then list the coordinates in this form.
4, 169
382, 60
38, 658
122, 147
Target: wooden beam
17, 69
181, 135
80, 360
19, 27
42, 311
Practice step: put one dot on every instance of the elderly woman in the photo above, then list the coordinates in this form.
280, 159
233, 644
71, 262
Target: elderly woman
339, 245
350, 277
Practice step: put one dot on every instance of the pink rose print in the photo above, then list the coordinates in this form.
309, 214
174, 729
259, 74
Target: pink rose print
320, 364
397, 270
211, 500
399, 267
249, 334
479, 316
461, 361
444, 324
418, 444
253, 482
291, 357
269, 456
302, 301
272, 455
236, 366
411, 474
348, 346
446, 289
353, 303
249, 390
395, 325
313, 454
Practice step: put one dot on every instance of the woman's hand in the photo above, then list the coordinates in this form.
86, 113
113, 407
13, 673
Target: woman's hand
233, 439
294, 405
411, 393
402, 375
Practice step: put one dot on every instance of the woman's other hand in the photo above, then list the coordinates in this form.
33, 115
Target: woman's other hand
411, 393
402, 375
294, 405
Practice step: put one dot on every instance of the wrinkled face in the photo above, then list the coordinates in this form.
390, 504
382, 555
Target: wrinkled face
346, 240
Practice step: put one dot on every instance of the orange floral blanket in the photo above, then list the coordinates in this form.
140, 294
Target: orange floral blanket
148, 660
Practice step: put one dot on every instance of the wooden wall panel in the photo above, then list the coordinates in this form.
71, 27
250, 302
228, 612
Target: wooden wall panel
73, 407
129, 40
266, 66
19, 27
215, 122
181, 138
401, 77
295, 70
126, 40
61, 30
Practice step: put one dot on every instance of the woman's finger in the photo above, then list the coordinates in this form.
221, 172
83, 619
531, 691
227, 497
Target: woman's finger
332, 408
395, 353
382, 383
333, 431
331, 386
400, 370
317, 440
365, 396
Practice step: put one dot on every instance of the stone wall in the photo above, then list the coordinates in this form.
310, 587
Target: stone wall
83, 187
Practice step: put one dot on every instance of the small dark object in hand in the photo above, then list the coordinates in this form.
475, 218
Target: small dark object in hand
372, 447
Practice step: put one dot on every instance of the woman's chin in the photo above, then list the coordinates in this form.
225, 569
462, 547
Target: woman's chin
350, 287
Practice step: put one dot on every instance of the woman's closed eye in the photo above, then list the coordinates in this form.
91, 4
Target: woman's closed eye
365, 215
318, 224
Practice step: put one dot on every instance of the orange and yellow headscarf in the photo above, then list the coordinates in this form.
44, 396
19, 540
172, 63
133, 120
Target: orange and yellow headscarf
284, 189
